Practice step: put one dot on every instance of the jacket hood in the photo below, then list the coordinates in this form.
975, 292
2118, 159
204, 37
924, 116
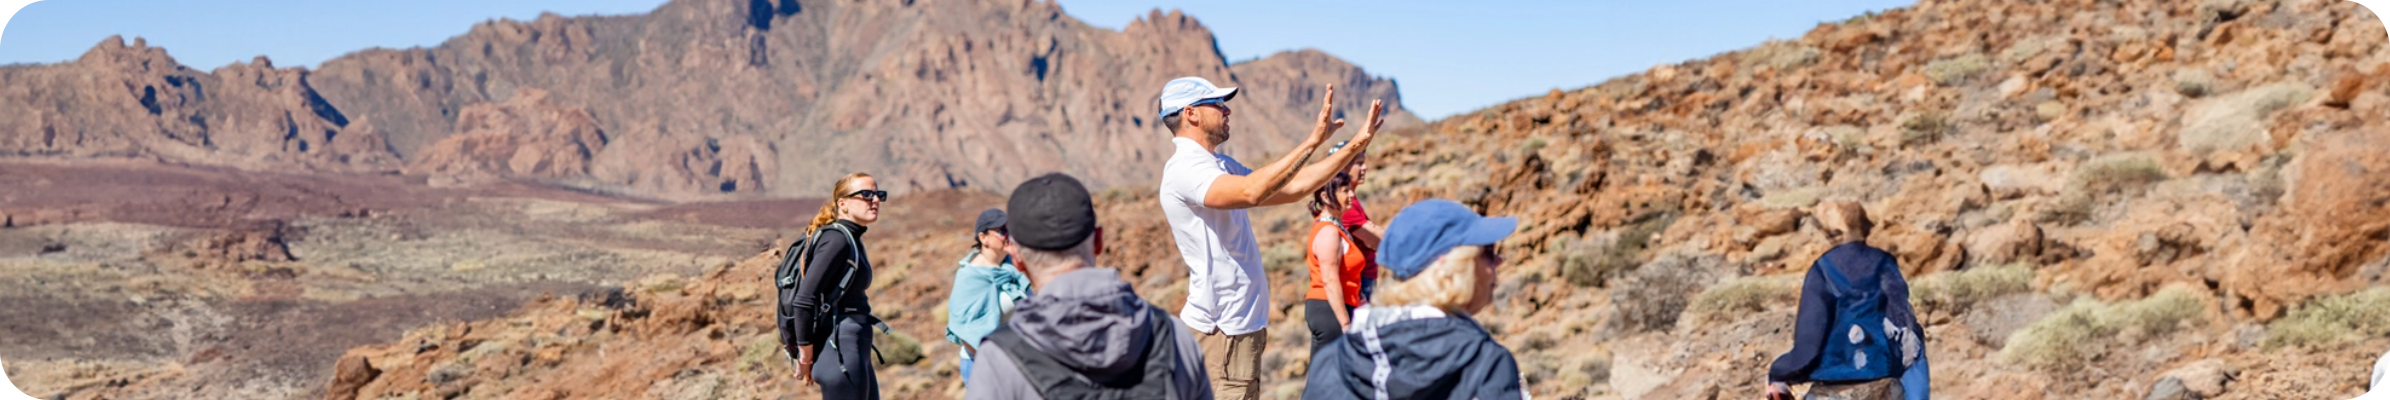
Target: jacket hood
1088, 320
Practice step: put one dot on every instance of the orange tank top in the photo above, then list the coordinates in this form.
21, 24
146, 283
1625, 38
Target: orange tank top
1354, 263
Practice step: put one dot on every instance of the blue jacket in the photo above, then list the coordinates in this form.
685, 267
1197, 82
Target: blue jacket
980, 294
1864, 265
1428, 355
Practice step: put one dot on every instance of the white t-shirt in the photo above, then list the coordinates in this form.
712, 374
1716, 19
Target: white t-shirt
1226, 289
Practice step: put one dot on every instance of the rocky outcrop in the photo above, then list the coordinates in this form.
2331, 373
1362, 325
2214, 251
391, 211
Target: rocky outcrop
134, 101
526, 136
787, 96
698, 98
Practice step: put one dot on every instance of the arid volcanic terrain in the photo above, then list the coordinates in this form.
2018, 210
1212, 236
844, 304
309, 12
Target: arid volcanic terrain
2092, 199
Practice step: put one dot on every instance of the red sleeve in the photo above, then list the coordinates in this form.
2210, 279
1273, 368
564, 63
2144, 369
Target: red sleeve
1354, 216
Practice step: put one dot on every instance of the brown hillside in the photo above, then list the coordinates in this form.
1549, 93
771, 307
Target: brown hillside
698, 97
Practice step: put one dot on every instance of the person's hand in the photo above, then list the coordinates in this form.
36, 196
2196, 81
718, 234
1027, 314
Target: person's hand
804, 371
1779, 390
1328, 123
1370, 124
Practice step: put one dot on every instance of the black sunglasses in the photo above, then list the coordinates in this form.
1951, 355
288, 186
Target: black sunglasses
1223, 104
869, 195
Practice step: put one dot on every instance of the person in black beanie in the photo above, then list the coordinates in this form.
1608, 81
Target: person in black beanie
1085, 333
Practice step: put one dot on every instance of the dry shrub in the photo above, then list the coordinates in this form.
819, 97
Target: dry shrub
1748, 294
2334, 320
2100, 180
1596, 261
1955, 292
2083, 332
1955, 70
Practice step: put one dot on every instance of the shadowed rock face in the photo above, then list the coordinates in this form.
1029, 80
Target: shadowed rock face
697, 98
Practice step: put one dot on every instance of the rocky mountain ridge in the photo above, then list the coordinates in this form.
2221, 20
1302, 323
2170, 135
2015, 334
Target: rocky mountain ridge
697, 99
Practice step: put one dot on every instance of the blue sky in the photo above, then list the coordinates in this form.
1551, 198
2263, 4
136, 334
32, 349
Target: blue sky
1449, 57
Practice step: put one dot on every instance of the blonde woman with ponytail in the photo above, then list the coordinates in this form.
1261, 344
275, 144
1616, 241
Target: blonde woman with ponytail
838, 252
1418, 338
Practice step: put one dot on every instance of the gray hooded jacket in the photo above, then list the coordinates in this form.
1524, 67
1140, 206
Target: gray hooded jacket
1092, 322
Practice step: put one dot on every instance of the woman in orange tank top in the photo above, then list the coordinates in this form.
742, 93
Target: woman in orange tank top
1336, 264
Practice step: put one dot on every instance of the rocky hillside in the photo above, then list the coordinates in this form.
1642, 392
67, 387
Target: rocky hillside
2093, 199
697, 98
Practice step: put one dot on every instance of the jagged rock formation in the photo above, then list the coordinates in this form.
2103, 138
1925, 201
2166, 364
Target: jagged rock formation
698, 97
135, 101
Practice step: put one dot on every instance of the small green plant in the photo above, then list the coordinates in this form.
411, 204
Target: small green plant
898, 348
2333, 320
1593, 263
1781, 55
2193, 82
1748, 295
1923, 128
1955, 70
2097, 181
1955, 292
2084, 331
1282, 257
1533, 144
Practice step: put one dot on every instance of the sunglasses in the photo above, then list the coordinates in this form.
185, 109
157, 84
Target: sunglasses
869, 195
1223, 104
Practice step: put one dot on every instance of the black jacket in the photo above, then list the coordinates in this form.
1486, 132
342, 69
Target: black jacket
824, 267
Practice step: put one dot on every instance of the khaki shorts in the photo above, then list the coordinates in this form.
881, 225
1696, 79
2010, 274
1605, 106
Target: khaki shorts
1234, 362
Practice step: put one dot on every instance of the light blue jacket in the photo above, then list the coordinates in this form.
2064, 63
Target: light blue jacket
982, 295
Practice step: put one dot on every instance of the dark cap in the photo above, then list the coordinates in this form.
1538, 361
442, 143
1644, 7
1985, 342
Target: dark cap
990, 219
1426, 230
1051, 212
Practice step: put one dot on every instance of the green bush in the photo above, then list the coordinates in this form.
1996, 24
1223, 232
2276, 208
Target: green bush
1925, 128
1748, 294
1955, 70
1594, 263
1286, 256
1955, 292
1781, 55
2084, 331
2334, 320
897, 348
2095, 182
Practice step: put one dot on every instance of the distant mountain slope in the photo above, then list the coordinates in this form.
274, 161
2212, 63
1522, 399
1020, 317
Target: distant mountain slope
697, 97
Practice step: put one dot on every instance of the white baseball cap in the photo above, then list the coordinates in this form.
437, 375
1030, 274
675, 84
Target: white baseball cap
1183, 92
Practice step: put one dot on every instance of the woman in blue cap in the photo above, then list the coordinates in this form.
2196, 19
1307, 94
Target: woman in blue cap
986, 286
1416, 339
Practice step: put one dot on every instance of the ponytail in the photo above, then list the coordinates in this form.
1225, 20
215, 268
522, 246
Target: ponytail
1326, 194
838, 193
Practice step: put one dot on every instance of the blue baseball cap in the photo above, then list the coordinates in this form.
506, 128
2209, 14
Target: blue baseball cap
1426, 230
1183, 92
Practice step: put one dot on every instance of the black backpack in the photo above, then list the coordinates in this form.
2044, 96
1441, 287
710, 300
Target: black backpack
785, 279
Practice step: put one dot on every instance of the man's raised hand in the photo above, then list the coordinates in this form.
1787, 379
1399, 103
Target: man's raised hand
1370, 124
1328, 123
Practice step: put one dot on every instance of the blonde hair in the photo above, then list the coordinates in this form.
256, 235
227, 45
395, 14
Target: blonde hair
838, 193
1448, 284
